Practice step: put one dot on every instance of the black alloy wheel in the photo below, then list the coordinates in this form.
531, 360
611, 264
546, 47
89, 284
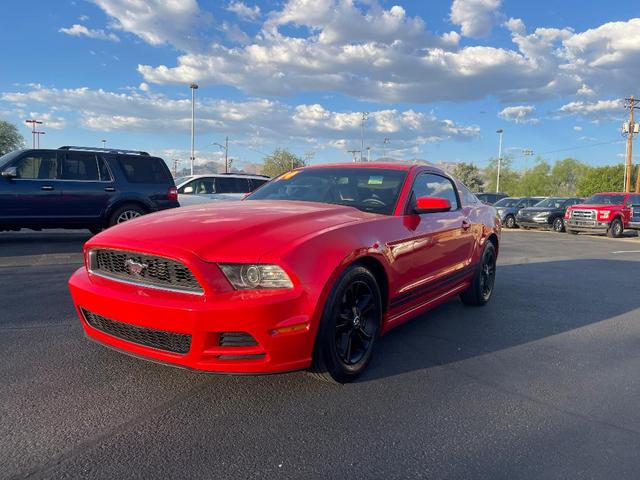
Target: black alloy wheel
558, 225
349, 327
510, 221
481, 288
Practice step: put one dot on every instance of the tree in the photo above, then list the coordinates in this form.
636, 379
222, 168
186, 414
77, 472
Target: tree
566, 174
509, 178
602, 179
536, 181
470, 175
281, 161
10, 138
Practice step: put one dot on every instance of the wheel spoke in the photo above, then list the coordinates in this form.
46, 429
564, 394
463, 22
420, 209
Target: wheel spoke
365, 303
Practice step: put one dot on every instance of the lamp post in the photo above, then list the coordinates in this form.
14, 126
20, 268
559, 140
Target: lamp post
193, 87
499, 132
385, 142
104, 143
365, 115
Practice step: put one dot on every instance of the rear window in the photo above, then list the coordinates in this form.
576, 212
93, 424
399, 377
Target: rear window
145, 169
232, 185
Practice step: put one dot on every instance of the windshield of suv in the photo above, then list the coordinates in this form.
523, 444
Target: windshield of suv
507, 202
5, 159
601, 199
552, 203
367, 189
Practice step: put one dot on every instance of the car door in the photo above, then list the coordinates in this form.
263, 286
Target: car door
436, 251
87, 185
33, 195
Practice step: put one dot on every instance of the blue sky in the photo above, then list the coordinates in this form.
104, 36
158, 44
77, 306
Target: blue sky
439, 77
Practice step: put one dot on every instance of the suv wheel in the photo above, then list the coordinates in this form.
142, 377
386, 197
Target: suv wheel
349, 327
510, 221
558, 225
615, 229
124, 213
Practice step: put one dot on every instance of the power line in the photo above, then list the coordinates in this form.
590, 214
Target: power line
580, 147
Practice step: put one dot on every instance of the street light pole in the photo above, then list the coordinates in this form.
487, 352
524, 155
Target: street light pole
499, 132
193, 88
365, 115
104, 143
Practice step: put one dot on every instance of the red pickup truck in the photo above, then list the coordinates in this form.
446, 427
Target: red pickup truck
608, 212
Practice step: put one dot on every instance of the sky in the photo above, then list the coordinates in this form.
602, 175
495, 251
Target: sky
437, 77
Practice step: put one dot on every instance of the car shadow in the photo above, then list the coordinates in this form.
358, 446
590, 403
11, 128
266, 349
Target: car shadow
531, 302
17, 244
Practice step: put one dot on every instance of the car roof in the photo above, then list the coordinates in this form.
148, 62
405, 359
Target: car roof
405, 166
227, 175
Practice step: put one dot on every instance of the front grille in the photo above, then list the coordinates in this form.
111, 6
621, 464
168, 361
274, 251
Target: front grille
148, 337
583, 214
237, 339
141, 269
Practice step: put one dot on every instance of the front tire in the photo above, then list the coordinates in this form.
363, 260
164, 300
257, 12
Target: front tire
615, 229
510, 221
558, 225
481, 288
349, 327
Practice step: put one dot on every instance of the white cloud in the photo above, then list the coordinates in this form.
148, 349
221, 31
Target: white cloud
244, 11
101, 110
144, 87
577, 128
475, 17
158, 21
598, 110
521, 114
77, 30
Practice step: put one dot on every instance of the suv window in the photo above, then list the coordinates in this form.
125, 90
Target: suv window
256, 182
80, 166
145, 169
432, 185
232, 185
199, 186
633, 200
38, 165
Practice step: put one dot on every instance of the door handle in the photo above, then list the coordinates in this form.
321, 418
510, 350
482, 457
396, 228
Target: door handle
466, 225
46, 187
109, 189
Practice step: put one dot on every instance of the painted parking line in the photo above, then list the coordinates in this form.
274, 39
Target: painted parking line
626, 251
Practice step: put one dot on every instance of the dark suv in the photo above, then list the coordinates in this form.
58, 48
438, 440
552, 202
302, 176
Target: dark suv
81, 187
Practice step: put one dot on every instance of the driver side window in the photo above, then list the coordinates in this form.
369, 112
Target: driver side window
433, 185
40, 166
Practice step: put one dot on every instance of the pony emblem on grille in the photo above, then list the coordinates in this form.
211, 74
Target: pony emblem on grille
135, 268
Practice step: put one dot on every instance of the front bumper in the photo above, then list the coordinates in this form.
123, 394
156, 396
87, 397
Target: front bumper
590, 226
634, 225
204, 320
529, 222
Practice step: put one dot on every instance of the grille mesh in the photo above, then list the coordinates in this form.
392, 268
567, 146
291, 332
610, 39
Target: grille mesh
154, 271
237, 339
148, 337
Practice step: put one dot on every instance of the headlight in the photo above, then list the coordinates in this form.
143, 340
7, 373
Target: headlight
247, 276
603, 215
542, 214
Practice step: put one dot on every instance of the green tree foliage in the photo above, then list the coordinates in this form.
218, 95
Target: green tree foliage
10, 138
281, 161
565, 176
536, 181
470, 175
602, 179
509, 178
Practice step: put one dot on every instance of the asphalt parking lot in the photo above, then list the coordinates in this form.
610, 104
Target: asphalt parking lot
542, 383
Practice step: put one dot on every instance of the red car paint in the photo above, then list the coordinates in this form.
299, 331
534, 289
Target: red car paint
420, 261
597, 218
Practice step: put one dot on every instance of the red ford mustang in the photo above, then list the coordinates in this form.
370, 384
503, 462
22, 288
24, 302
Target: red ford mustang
306, 272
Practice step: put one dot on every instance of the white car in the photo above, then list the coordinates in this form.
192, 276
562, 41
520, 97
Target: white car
197, 189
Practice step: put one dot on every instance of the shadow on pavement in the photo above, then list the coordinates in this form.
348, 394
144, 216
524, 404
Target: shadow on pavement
16, 244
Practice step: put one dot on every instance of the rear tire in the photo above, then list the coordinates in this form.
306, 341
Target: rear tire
481, 289
615, 229
510, 221
126, 212
558, 225
349, 327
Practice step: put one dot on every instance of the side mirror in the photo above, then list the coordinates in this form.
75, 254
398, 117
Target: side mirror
431, 205
11, 172
188, 190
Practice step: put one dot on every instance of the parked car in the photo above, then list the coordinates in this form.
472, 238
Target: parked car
608, 212
508, 208
549, 213
81, 187
197, 189
306, 272
490, 198
635, 213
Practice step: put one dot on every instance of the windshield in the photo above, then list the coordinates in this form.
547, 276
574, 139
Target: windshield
601, 199
367, 189
552, 203
5, 159
180, 180
507, 202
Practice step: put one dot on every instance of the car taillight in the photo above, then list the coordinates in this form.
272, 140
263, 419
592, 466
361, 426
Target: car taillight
172, 194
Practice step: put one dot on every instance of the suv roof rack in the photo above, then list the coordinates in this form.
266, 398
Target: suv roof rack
108, 150
243, 173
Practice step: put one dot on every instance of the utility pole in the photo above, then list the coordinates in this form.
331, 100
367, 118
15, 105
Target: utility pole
175, 167
193, 87
365, 115
385, 142
354, 152
104, 143
37, 134
527, 153
33, 123
368, 154
225, 147
630, 103
499, 132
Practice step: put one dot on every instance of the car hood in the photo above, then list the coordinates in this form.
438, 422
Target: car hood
234, 231
530, 210
588, 206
